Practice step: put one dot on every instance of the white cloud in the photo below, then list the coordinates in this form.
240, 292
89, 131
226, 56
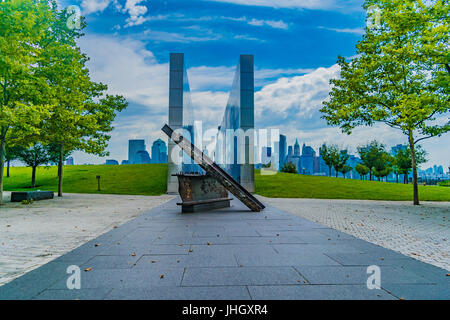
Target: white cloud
136, 10
357, 31
298, 4
259, 22
290, 103
92, 6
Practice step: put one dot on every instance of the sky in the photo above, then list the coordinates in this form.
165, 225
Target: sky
295, 44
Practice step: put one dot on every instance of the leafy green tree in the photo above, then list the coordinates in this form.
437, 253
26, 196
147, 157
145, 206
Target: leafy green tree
22, 25
345, 169
399, 75
328, 154
382, 165
370, 155
403, 161
340, 158
362, 170
11, 153
82, 113
33, 157
289, 168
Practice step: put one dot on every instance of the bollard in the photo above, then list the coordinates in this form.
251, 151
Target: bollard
98, 183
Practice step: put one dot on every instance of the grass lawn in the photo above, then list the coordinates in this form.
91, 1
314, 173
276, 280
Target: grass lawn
285, 185
151, 179
146, 179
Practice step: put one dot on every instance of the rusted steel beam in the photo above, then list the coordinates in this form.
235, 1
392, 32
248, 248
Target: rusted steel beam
214, 170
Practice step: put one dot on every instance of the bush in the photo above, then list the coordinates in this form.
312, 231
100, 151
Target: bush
289, 168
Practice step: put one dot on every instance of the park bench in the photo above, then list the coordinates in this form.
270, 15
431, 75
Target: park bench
19, 196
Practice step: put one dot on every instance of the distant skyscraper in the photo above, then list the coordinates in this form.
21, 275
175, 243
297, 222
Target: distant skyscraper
142, 157
290, 152
296, 149
397, 148
266, 155
69, 161
159, 152
135, 146
111, 162
282, 151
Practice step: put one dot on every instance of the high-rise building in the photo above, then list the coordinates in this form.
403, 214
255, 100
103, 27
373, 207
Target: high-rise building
69, 161
111, 162
134, 146
282, 151
397, 148
266, 155
296, 148
159, 152
142, 157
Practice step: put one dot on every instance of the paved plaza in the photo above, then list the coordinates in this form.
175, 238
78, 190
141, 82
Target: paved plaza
421, 232
32, 235
229, 254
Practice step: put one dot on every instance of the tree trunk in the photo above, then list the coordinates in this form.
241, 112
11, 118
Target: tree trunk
7, 168
414, 169
60, 169
2, 165
370, 175
397, 177
329, 168
33, 177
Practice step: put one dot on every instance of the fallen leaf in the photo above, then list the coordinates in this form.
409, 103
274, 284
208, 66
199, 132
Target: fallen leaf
180, 245
161, 276
133, 254
190, 250
97, 245
88, 269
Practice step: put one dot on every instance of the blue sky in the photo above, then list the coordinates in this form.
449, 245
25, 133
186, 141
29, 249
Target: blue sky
295, 44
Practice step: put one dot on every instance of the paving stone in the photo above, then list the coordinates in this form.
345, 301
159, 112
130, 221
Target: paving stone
211, 259
318, 292
311, 259
111, 262
181, 293
356, 275
65, 294
365, 259
124, 278
240, 276
418, 291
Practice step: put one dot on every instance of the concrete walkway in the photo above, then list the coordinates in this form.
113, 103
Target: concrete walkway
229, 254
421, 232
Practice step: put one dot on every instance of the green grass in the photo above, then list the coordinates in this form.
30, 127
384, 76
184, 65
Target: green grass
285, 185
146, 179
151, 179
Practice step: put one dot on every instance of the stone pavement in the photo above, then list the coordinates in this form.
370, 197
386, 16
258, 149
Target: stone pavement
33, 235
421, 232
229, 254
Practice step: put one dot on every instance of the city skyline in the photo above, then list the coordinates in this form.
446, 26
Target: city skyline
295, 49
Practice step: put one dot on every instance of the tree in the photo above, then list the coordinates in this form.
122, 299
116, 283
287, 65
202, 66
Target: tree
328, 154
11, 153
382, 165
33, 157
391, 79
403, 160
362, 170
82, 114
345, 169
340, 158
289, 168
22, 25
370, 155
